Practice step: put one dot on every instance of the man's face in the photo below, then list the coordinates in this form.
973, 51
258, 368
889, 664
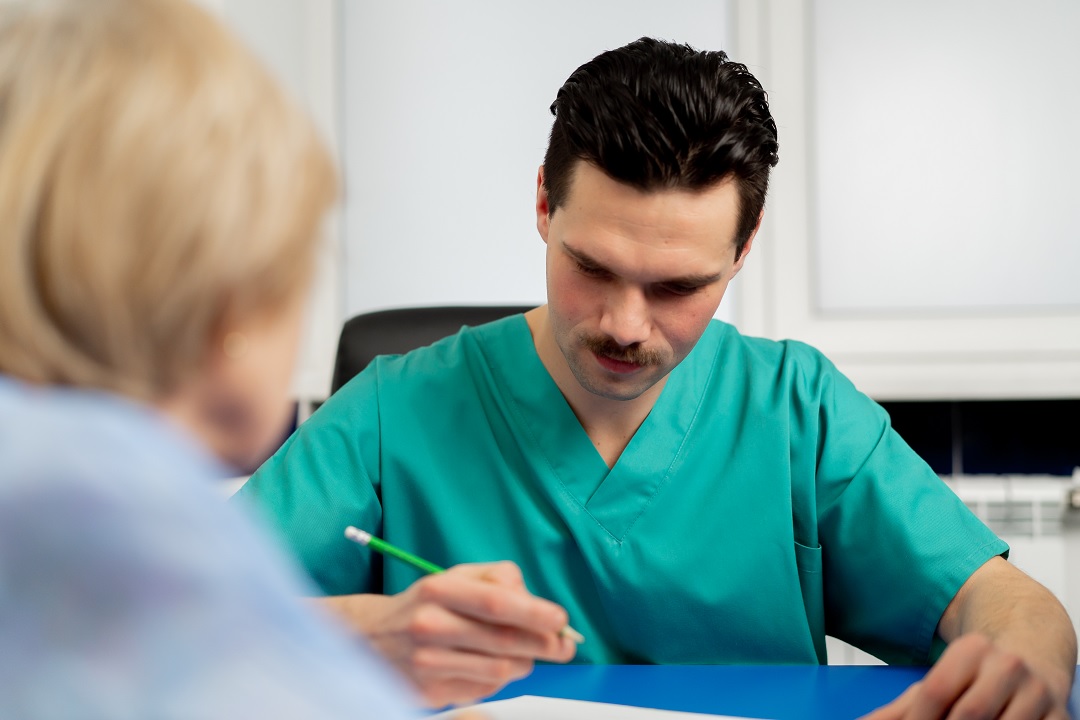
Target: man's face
634, 277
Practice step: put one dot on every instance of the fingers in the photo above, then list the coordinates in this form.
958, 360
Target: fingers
948, 679
898, 708
472, 714
440, 622
502, 600
432, 663
1001, 676
448, 676
974, 679
463, 634
453, 691
1029, 702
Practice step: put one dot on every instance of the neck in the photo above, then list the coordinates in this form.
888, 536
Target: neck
610, 424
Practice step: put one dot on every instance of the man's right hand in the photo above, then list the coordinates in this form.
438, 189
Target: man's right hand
463, 634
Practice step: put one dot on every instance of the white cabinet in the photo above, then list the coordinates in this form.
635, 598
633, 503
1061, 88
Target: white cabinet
922, 227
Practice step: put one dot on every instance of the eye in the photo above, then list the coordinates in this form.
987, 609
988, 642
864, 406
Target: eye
591, 270
679, 289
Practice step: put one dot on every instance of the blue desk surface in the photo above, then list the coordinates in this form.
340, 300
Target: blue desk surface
765, 691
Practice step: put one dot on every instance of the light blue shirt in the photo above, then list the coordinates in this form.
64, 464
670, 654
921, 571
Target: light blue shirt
130, 589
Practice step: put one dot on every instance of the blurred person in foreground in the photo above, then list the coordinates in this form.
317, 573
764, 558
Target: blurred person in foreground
160, 204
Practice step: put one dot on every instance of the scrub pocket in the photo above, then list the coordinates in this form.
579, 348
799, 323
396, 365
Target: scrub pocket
808, 560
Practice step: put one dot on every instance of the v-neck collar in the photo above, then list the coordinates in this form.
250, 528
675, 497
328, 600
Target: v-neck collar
614, 498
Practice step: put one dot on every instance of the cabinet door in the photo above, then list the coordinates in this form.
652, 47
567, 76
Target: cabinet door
921, 228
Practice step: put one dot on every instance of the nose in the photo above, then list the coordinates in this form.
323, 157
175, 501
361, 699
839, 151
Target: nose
626, 316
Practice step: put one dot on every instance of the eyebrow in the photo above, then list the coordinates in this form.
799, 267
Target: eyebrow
687, 280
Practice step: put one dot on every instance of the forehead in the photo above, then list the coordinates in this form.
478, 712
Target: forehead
669, 230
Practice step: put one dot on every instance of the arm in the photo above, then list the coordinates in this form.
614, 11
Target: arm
463, 634
1020, 616
457, 635
1012, 653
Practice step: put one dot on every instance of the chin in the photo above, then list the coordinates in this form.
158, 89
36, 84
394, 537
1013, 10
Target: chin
605, 388
624, 394
247, 454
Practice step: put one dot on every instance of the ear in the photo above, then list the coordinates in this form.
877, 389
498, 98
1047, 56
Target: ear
543, 217
216, 360
225, 346
749, 243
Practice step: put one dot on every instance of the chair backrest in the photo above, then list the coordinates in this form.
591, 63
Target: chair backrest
389, 332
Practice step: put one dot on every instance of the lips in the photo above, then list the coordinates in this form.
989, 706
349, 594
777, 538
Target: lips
616, 366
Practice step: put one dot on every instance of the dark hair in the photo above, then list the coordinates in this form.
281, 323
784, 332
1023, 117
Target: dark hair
656, 115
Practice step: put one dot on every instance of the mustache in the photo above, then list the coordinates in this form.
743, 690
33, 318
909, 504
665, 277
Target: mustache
631, 354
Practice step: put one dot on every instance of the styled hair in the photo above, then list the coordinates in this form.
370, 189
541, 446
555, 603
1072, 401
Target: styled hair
154, 182
659, 115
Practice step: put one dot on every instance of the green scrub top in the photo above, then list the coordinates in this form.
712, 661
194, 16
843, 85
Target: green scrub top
763, 503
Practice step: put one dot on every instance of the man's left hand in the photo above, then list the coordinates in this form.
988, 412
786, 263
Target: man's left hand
976, 679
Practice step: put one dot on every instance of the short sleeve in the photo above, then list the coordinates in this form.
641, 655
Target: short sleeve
897, 543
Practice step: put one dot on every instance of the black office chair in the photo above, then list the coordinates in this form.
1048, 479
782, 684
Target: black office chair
389, 332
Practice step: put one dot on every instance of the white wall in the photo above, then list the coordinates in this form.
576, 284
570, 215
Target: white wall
445, 123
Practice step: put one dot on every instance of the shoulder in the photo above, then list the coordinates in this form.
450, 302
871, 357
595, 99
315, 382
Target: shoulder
784, 375
90, 474
444, 365
94, 483
92, 442
457, 351
768, 360
406, 392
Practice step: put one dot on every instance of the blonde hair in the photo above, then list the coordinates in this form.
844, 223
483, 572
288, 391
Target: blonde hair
154, 181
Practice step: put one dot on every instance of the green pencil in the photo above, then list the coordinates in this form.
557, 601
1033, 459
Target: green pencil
380, 545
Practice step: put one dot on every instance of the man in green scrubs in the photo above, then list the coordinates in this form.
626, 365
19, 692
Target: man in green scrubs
678, 492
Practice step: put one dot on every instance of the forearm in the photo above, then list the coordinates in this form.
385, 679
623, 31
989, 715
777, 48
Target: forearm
1018, 615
